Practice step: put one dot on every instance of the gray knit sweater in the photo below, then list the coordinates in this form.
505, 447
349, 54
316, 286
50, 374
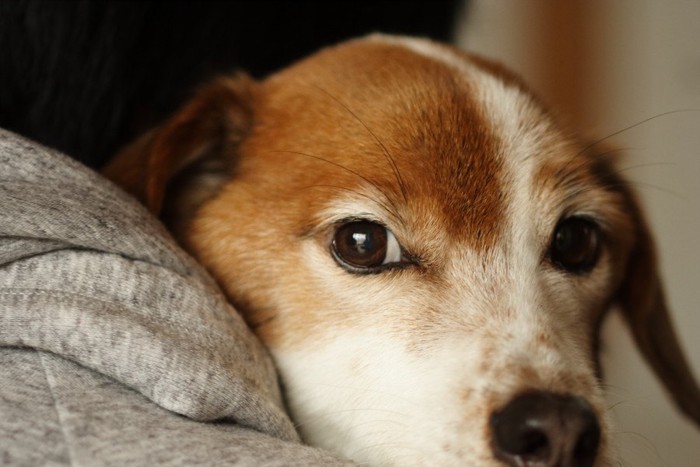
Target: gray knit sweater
115, 347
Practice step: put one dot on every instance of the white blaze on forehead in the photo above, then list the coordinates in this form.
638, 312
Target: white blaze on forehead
517, 121
519, 125
506, 105
524, 133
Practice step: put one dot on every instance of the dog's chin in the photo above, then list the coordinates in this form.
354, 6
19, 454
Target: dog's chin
378, 402
360, 404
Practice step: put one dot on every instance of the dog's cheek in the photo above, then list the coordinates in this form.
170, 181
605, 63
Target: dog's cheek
364, 371
371, 398
235, 239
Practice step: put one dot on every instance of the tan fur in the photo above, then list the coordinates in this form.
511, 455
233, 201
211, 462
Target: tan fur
247, 175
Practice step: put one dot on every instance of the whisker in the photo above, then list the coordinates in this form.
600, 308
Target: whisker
642, 166
640, 437
395, 457
382, 146
576, 192
635, 125
611, 390
660, 189
370, 390
561, 182
386, 207
587, 148
394, 209
617, 404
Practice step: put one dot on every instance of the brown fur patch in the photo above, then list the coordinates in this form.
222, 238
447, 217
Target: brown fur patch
408, 123
364, 115
375, 120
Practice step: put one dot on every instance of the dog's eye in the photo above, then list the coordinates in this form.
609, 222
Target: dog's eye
575, 245
365, 247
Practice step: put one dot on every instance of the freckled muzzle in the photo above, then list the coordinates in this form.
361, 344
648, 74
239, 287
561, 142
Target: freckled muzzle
543, 429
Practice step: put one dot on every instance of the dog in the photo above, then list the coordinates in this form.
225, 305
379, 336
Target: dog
427, 254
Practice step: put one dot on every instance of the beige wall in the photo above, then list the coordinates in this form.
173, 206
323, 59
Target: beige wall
606, 64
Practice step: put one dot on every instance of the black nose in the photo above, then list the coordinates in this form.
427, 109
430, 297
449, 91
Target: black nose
542, 429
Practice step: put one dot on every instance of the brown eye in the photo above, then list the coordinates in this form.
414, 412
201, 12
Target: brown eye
575, 245
364, 246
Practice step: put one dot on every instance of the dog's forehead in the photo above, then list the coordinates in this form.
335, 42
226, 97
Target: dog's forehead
432, 127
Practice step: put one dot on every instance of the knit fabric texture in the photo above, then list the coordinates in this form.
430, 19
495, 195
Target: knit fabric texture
116, 347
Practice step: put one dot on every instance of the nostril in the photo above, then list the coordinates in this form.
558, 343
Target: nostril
530, 442
546, 429
519, 431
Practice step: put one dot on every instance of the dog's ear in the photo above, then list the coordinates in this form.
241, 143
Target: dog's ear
642, 302
194, 147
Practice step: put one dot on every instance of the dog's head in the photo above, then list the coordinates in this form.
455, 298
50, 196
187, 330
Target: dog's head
425, 253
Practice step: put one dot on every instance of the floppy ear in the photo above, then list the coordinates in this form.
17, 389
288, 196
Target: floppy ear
641, 298
193, 149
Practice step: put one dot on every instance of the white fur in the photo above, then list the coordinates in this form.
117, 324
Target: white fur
395, 388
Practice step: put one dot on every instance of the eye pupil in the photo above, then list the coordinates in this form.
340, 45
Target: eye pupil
361, 244
575, 245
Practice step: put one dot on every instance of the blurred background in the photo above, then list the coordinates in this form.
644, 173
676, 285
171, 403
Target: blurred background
604, 65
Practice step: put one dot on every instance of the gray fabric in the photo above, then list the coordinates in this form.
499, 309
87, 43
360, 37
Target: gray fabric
108, 331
